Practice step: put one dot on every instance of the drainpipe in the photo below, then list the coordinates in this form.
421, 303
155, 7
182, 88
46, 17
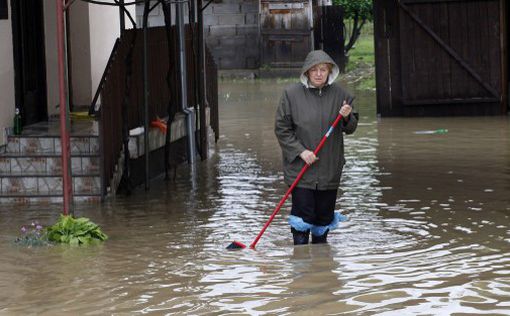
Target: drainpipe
146, 93
122, 18
64, 119
190, 117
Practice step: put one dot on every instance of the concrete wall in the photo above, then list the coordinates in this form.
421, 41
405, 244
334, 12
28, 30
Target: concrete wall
156, 16
50, 42
232, 33
79, 50
231, 30
6, 78
93, 32
104, 30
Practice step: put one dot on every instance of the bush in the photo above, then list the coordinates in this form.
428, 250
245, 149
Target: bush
75, 231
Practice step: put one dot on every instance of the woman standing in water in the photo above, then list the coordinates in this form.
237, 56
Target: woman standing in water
304, 115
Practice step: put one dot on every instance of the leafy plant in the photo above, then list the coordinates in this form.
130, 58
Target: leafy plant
75, 231
32, 235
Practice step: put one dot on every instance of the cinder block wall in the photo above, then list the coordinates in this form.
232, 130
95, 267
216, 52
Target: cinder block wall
232, 33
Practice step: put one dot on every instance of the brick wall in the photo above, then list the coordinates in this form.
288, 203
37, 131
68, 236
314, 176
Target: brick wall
232, 33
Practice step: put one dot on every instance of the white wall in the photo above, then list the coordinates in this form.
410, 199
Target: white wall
79, 50
94, 29
104, 30
50, 42
6, 77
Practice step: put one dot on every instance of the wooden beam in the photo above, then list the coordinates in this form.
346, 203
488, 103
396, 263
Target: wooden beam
433, 1
449, 101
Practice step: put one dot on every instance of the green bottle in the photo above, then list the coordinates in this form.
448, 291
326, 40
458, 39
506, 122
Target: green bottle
441, 131
17, 123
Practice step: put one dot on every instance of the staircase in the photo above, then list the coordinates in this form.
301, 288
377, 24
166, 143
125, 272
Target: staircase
31, 165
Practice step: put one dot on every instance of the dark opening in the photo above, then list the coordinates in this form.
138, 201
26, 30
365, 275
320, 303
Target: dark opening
4, 12
29, 60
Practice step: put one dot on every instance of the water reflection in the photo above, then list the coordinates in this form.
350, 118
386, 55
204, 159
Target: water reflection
427, 232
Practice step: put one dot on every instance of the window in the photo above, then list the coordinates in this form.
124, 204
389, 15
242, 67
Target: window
4, 14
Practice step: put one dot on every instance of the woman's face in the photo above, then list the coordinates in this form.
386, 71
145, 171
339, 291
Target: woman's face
318, 75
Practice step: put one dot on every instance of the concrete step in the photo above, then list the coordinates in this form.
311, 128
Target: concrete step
44, 185
47, 163
51, 144
42, 200
31, 164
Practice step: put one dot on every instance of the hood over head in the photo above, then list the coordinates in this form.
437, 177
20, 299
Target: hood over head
318, 57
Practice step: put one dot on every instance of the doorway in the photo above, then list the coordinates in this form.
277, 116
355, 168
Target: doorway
29, 60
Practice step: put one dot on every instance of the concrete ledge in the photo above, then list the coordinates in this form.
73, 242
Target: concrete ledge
156, 137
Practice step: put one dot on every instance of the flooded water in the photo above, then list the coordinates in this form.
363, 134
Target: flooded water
428, 230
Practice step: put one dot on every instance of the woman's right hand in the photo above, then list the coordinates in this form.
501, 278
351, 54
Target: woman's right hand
308, 157
346, 109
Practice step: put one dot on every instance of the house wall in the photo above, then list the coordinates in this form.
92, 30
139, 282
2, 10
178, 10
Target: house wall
50, 42
6, 78
93, 31
104, 26
79, 50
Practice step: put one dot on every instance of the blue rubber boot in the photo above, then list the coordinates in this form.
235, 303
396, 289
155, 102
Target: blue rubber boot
322, 239
300, 238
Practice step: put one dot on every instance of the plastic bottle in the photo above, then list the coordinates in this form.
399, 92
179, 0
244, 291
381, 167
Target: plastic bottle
436, 131
17, 123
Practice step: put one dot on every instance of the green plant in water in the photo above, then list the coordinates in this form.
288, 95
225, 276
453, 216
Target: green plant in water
75, 231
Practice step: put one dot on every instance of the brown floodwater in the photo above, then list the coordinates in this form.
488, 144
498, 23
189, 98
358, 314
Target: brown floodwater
428, 230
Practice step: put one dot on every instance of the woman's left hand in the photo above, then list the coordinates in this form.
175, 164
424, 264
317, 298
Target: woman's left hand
346, 109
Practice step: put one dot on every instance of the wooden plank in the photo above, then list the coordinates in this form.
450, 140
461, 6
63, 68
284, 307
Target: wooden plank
382, 57
494, 42
449, 101
455, 31
433, 1
504, 55
431, 52
474, 48
485, 62
444, 33
393, 13
452, 52
407, 57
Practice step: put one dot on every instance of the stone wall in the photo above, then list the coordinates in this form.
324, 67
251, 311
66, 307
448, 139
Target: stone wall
231, 30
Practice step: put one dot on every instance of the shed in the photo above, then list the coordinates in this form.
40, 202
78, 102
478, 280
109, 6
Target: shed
441, 57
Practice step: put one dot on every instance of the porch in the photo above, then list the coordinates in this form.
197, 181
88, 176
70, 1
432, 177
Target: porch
31, 163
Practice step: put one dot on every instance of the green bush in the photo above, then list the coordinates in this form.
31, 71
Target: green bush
75, 231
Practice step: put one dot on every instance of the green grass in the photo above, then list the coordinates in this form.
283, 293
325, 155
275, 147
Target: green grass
362, 52
361, 66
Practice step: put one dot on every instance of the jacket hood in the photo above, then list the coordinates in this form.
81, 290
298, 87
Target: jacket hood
318, 57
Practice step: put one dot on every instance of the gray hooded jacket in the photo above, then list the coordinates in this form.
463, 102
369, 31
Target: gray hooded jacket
303, 117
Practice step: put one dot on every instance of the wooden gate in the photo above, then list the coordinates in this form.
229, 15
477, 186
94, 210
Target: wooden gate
286, 33
440, 57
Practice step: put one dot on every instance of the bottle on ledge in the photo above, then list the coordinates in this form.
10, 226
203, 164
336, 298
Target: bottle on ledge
17, 122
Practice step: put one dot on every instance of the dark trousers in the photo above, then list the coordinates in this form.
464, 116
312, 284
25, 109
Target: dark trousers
313, 206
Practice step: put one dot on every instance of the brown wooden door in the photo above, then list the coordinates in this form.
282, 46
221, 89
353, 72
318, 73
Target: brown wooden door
439, 57
286, 33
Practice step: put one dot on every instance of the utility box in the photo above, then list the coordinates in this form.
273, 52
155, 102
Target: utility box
286, 32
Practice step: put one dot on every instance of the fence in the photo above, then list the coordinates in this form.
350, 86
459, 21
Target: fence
122, 94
